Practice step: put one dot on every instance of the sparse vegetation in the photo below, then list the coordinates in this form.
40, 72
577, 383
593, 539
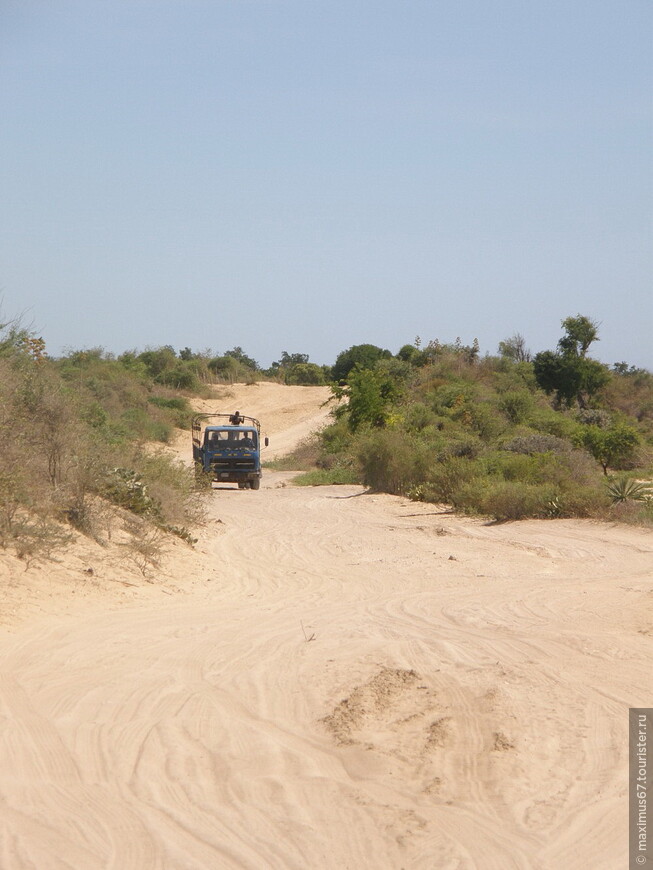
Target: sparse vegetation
326, 477
72, 443
76, 437
500, 436
505, 436
295, 368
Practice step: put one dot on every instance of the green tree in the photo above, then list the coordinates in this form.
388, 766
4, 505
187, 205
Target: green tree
612, 448
580, 333
412, 354
308, 374
370, 395
363, 355
557, 374
157, 360
569, 373
517, 405
240, 356
291, 359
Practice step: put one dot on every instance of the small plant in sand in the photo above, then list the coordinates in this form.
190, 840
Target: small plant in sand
144, 548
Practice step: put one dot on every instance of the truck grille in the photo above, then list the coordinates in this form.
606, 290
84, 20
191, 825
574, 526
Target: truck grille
229, 464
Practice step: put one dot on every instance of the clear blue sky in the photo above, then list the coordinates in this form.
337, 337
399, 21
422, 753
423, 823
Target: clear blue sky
305, 175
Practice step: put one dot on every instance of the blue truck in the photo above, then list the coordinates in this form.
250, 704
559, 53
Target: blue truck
230, 450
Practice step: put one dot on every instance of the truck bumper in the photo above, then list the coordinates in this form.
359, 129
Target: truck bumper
224, 476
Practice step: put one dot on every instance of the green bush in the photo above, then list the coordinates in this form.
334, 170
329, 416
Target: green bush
337, 437
181, 376
175, 403
143, 427
514, 376
558, 423
566, 470
392, 460
516, 405
447, 477
581, 501
419, 417
95, 415
327, 477
179, 412
452, 396
485, 421
125, 487
306, 374
535, 468
458, 444
505, 500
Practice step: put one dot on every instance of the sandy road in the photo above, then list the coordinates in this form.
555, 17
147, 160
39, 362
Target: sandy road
344, 680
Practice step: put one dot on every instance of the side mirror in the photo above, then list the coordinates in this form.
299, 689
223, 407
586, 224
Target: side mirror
267, 441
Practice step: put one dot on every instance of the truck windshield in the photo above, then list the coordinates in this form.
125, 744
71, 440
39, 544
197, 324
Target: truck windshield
220, 438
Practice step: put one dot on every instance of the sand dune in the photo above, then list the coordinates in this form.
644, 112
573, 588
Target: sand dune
331, 679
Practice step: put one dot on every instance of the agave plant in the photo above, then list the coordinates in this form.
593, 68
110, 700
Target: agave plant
621, 489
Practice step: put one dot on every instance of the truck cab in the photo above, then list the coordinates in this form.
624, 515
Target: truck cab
229, 451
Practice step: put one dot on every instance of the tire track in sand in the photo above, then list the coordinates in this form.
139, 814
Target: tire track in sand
488, 694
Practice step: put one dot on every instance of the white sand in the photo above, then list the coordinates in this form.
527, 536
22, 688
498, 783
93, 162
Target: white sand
319, 684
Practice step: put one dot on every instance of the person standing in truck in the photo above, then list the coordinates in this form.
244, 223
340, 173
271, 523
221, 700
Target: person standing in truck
236, 419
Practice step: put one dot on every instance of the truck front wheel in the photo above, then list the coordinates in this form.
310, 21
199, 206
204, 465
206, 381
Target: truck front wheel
256, 483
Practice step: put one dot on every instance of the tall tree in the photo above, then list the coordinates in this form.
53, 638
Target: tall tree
580, 333
569, 373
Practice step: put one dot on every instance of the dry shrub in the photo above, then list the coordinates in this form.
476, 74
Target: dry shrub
392, 461
538, 442
447, 477
36, 538
172, 486
14, 489
54, 463
305, 457
144, 547
34, 444
635, 513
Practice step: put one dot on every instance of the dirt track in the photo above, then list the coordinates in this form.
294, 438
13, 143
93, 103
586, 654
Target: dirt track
332, 679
